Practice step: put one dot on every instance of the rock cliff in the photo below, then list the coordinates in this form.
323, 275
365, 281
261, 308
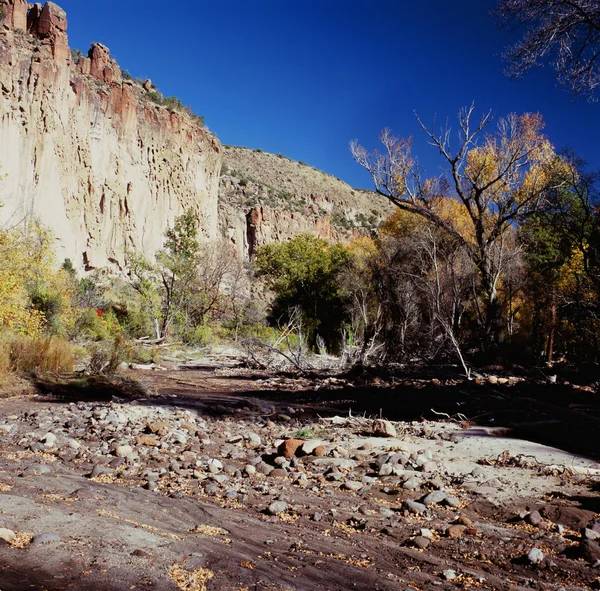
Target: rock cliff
88, 152
270, 198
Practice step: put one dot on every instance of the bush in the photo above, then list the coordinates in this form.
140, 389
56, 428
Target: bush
203, 336
38, 354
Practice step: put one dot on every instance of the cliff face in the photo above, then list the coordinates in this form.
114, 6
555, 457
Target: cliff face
87, 152
270, 198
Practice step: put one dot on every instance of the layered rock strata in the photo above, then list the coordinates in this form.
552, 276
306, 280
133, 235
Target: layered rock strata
87, 151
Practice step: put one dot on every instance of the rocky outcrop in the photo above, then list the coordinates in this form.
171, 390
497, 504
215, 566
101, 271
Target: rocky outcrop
269, 198
88, 152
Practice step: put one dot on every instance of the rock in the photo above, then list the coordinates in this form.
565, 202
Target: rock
289, 447
456, 531
253, 439
264, 468
421, 542
49, 440
8, 535
122, 451
250, 470
429, 467
309, 446
147, 86
478, 472
437, 497
385, 470
590, 534
320, 451
535, 556
214, 466
146, 440
533, 518
278, 473
160, 428
46, 538
590, 551
352, 485
383, 428
449, 574
36, 470
414, 507
99, 470
277, 507
412, 483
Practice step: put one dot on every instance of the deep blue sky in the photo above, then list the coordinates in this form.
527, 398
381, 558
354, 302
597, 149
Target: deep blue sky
304, 77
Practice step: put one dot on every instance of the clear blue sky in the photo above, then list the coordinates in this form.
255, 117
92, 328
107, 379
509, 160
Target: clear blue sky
304, 77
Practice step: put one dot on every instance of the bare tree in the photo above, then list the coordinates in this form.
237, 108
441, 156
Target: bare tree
564, 32
499, 178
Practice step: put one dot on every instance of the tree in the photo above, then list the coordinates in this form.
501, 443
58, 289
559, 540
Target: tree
564, 32
304, 273
500, 181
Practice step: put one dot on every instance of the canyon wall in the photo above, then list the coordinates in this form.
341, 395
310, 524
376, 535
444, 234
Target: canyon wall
88, 152
270, 198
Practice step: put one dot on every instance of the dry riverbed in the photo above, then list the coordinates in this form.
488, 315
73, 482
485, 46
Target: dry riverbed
218, 478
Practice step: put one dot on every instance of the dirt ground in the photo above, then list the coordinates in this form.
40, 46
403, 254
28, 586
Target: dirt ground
514, 464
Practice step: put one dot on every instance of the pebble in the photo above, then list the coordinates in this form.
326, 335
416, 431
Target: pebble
352, 485
533, 518
46, 538
8, 535
123, 451
422, 542
535, 556
449, 574
277, 507
415, 507
437, 497
214, 466
383, 428
412, 483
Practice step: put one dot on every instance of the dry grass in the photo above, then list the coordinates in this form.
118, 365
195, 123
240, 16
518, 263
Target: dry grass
190, 580
34, 354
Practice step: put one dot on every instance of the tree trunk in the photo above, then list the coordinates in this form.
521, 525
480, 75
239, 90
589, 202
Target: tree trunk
553, 318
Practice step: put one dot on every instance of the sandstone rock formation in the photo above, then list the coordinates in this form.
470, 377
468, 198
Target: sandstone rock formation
270, 198
87, 152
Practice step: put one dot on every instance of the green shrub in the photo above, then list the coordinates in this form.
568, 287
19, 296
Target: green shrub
2, 12
203, 336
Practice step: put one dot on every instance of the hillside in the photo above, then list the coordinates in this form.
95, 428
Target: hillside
266, 197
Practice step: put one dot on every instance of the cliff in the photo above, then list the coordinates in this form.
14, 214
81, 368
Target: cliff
270, 198
88, 152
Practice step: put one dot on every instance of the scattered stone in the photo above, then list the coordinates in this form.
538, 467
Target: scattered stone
422, 542
533, 518
277, 507
278, 473
383, 428
590, 551
214, 466
352, 485
49, 440
437, 497
456, 531
46, 538
122, 451
414, 507
535, 556
449, 574
147, 440
413, 483
320, 451
289, 447
8, 535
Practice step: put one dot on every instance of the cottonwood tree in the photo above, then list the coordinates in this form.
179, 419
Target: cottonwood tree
564, 32
500, 178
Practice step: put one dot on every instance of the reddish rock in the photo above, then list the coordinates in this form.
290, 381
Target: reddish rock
289, 447
319, 451
146, 440
456, 531
383, 428
160, 428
